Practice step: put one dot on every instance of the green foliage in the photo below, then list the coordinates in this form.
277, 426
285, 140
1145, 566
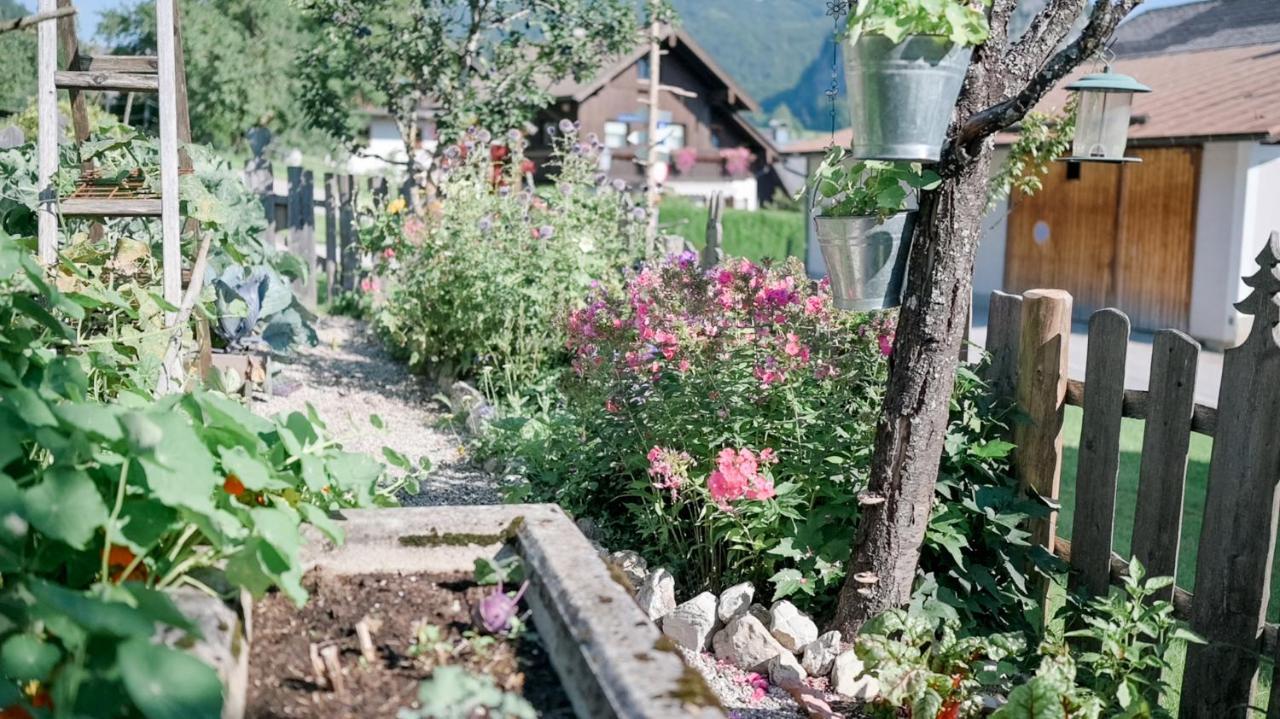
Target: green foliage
486, 64
760, 235
18, 81
864, 188
454, 693
1042, 139
102, 505
240, 62
480, 286
928, 667
960, 21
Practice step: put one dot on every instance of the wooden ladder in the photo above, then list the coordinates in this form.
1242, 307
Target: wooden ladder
164, 74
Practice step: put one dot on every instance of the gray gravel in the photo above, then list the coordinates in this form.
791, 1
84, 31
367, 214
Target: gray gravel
348, 377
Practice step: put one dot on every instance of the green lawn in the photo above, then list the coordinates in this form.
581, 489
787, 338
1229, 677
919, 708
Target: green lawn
771, 234
1126, 497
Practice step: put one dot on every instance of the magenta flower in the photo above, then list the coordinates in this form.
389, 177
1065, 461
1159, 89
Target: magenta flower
886, 344
737, 476
669, 469
758, 685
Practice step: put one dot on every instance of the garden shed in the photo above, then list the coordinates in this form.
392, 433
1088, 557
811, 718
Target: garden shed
1149, 238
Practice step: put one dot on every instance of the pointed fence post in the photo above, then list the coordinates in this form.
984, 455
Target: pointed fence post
346, 231
47, 134
1238, 536
302, 231
330, 234
713, 252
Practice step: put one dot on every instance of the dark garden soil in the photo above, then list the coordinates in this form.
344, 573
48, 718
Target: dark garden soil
283, 682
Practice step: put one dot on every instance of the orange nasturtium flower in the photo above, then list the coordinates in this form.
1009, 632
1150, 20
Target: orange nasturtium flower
233, 486
118, 559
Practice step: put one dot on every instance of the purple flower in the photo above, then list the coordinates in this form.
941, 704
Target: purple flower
567, 126
638, 214
546, 231
515, 135
496, 611
486, 223
620, 185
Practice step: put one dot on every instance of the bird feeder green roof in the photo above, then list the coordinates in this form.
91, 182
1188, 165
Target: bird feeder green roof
1107, 81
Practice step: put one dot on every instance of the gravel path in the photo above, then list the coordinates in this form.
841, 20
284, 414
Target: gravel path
348, 377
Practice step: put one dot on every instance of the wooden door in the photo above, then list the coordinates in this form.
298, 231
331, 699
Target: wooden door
1156, 236
1112, 235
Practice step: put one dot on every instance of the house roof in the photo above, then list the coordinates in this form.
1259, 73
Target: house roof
679, 42
1206, 25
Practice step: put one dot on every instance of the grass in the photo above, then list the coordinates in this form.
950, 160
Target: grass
1126, 500
755, 235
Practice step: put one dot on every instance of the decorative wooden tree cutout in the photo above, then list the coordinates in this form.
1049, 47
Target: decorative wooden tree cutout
1238, 537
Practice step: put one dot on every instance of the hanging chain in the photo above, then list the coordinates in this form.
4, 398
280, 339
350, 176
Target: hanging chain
836, 9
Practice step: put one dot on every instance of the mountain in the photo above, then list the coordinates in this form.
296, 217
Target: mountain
778, 50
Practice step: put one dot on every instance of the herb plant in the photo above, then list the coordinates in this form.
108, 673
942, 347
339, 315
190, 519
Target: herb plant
964, 23
455, 693
865, 188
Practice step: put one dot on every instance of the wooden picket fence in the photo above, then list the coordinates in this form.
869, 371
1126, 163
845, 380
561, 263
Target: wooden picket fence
295, 212
1028, 338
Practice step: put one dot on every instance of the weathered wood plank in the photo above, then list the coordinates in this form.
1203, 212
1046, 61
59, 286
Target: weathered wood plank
1238, 535
330, 234
47, 134
170, 221
346, 231
1099, 457
1004, 327
1041, 388
302, 226
1157, 522
106, 207
70, 46
136, 64
119, 81
1204, 419
43, 16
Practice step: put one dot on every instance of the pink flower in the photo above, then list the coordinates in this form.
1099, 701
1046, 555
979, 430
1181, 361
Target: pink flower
684, 366
369, 284
610, 406
758, 685
814, 306
793, 348
668, 469
389, 253
886, 344
737, 475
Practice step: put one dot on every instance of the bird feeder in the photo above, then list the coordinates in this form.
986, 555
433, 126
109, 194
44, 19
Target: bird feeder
1102, 116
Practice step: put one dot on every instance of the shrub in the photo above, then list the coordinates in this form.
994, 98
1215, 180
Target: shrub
479, 284
757, 236
722, 424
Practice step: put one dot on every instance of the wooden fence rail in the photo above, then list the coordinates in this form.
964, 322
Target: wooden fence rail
1028, 341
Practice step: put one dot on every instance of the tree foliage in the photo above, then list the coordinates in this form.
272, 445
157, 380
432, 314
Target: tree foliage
239, 61
485, 63
18, 81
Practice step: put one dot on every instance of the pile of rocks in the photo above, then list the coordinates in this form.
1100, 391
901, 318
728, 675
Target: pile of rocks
780, 640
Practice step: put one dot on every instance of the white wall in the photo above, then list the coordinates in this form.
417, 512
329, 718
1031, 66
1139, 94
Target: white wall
1220, 243
743, 192
384, 144
988, 267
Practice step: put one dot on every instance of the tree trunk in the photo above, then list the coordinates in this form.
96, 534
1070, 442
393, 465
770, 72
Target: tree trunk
922, 371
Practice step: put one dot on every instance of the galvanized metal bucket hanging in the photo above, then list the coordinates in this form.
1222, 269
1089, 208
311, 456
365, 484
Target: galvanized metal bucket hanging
901, 95
866, 259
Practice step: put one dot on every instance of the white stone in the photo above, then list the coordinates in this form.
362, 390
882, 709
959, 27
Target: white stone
657, 594
735, 601
746, 644
690, 624
759, 611
790, 627
785, 671
821, 653
632, 565
847, 678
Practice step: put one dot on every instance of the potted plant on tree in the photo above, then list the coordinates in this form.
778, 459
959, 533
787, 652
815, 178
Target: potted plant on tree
864, 226
905, 62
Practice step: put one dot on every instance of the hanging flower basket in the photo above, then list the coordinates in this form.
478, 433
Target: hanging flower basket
866, 259
901, 95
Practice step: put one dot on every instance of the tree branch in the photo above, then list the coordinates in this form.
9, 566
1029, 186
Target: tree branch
1046, 31
1103, 20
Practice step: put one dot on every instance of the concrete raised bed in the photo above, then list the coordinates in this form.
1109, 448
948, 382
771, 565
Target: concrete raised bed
612, 661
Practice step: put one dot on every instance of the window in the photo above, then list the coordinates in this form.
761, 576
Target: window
615, 134
1073, 171
672, 137
642, 68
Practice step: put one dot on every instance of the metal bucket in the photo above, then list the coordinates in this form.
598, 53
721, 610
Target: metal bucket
866, 259
901, 96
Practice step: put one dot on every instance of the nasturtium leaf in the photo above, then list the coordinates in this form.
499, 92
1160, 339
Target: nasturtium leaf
350, 470
166, 683
30, 407
90, 613
376, 421
321, 520
277, 527
313, 473
142, 523
26, 656
66, 506
98, 420
396, 459
159, 607
144, 433
245, 569
252, 473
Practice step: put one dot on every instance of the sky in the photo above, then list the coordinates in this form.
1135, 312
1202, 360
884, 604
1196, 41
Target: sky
90, 10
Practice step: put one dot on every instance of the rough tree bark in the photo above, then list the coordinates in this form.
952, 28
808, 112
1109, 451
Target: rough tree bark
1003, 83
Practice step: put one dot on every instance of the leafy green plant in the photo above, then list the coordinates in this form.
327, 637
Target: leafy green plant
256, 307
454, 693
104, 505
480, 284
961, 22
865, 188
926, 665
1043, 137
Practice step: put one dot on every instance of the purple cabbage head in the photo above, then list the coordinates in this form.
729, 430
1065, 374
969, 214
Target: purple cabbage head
496, 611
